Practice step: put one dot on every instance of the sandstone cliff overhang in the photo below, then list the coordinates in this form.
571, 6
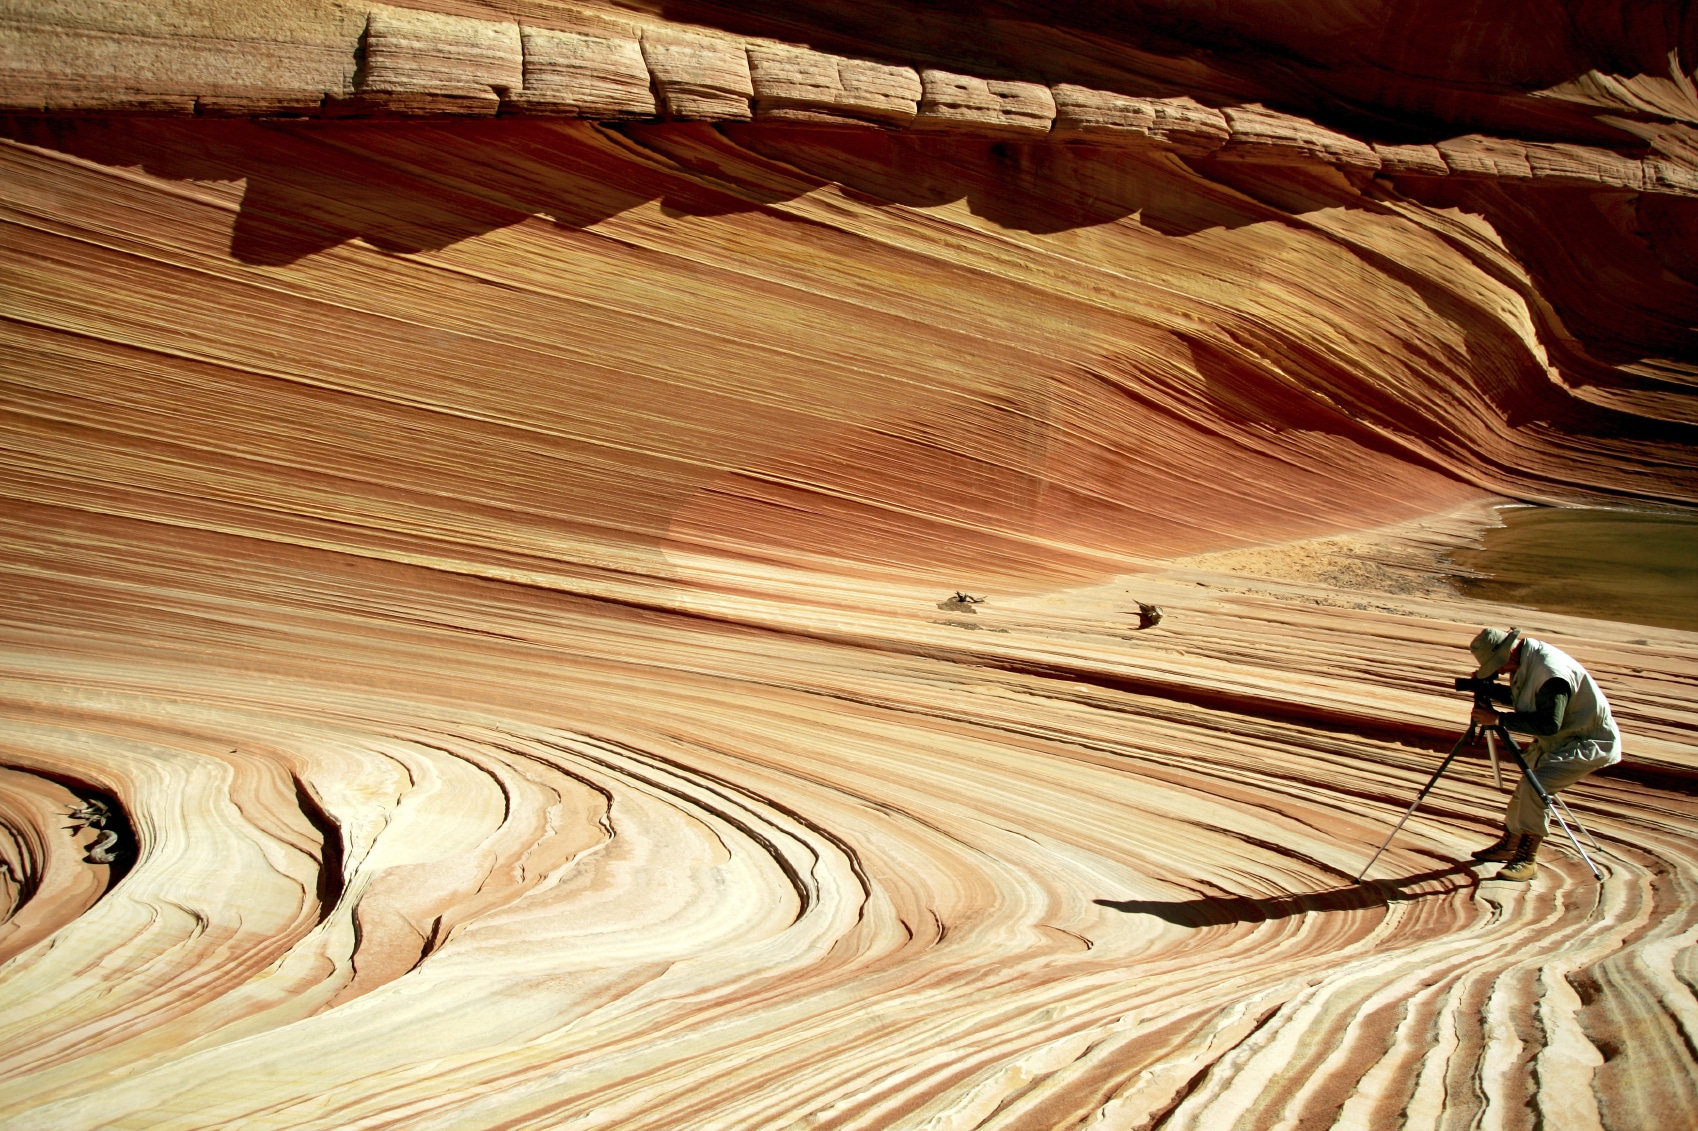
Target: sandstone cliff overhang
383, 60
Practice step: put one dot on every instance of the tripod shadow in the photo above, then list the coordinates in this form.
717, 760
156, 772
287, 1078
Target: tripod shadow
1216, 911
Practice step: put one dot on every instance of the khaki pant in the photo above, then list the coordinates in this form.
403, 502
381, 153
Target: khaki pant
1556, 771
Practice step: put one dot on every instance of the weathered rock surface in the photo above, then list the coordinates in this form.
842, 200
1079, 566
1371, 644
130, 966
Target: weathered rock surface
107, 56
971, 104
793, 77
699, 79
797, 85
423, 63
1419, 160
488, 569
1673, 177
1581, 165
1180, 124
1487, 157
878, 92
1268, 136
419, 63
574, 75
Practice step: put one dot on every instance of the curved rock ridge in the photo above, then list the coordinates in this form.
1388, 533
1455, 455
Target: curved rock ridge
422, 63
514, 861
1063, 442
45, 877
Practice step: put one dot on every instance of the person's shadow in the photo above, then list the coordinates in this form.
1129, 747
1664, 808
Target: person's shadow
1218, 911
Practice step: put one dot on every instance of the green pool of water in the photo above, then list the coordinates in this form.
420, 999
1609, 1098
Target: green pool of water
1616, 565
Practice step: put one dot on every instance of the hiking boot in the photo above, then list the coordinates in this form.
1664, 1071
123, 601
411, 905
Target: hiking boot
1521, 866
1500, 852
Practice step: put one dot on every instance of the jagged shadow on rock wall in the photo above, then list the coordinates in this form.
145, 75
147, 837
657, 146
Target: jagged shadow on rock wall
400, 186
417, 186
1038, 186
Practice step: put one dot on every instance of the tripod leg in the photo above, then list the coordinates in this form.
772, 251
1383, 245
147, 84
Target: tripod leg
1590, 839
1532, 780
1466, 738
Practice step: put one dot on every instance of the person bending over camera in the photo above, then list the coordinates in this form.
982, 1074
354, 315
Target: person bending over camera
1555, 700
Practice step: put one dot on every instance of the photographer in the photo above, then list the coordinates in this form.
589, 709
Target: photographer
1554, 699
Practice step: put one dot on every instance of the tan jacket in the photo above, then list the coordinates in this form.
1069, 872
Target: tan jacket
1588, 717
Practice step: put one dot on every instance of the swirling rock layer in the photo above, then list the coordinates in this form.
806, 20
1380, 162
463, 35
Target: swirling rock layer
484, 583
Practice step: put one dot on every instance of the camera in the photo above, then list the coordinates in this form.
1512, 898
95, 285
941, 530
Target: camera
1481, 689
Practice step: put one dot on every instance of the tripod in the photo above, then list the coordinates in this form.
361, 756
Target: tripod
1501, 734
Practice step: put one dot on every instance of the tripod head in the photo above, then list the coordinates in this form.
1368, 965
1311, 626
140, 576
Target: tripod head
1481, 689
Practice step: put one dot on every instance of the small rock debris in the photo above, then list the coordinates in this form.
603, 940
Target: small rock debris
92, 814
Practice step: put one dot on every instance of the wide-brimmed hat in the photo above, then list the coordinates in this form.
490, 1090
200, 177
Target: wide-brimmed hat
1492, 648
